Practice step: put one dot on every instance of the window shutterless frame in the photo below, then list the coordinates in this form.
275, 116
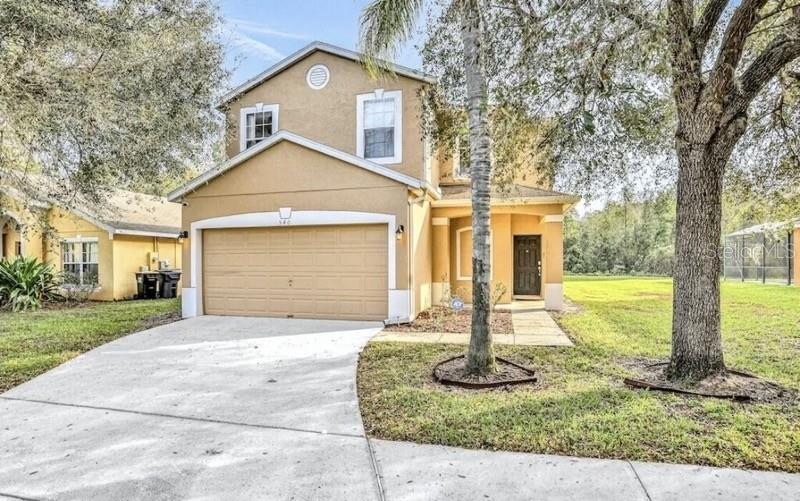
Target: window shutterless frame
274, 109
379, 95
80, 258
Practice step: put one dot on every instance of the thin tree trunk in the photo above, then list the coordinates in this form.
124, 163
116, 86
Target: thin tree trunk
480, 357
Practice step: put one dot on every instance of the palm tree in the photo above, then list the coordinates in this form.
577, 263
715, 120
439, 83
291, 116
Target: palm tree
384, 25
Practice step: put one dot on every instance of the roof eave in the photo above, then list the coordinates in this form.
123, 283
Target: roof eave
284, 135
307, 50
562, 200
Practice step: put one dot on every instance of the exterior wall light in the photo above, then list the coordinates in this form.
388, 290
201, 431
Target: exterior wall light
399, 231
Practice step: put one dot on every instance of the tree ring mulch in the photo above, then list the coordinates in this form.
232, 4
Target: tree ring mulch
735, 385
453, 372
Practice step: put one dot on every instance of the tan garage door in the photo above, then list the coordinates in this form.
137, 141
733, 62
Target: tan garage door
305, 272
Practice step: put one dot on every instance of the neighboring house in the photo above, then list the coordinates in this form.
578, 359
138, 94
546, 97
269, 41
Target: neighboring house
102, 246
764, 253
331, 206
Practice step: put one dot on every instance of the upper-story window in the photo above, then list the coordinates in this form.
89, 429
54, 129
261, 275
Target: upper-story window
256, 124
379, 126
461, 168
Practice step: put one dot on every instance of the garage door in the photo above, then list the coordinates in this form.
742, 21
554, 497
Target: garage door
303, 272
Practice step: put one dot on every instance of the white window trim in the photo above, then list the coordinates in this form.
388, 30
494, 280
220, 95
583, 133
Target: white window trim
459, 276
398, 299
274, 108
81, 240
397, 95
457, 163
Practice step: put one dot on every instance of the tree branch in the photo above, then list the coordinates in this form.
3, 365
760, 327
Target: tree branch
784, 49
686, 80
742, 22
706, 24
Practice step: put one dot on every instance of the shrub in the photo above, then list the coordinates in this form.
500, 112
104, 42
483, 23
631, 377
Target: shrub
26, 283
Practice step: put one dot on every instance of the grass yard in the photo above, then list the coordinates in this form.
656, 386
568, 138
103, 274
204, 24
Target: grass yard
580, 406
34, 342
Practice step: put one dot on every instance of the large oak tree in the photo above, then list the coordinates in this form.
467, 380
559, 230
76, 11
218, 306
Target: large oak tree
703, 90
97, 93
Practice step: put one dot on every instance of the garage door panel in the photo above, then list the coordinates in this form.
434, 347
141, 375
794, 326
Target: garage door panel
305, 272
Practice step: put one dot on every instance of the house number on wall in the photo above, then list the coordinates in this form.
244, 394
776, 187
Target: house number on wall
285, 215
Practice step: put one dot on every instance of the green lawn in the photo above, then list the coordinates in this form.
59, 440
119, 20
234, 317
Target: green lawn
34, 342
582, 408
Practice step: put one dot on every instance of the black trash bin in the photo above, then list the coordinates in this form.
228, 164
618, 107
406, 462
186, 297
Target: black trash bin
147, 284
169, 282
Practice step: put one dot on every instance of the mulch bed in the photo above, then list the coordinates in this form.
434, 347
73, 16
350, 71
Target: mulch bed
453, 372
732, 385
155, 321
444, 319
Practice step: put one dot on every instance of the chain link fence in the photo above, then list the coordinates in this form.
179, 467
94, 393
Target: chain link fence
759, 256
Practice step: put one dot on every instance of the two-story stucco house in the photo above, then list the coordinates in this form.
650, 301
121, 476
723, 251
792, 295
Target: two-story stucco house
330, 205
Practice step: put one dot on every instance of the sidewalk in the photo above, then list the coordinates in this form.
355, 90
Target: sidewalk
533, 326
422, 472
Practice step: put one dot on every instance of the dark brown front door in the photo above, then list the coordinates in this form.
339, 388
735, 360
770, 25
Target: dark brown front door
527, 265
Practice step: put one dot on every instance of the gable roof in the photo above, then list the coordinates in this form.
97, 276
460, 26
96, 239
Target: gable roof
308, 50
130, 213
122, 212
284, 135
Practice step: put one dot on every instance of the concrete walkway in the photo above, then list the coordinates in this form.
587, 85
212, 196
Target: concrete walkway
533, 326
246, 408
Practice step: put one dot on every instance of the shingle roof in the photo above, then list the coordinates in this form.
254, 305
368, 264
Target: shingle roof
127, 211
122, 211
514, 192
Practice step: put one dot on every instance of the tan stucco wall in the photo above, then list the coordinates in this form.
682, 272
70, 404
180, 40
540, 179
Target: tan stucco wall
421, 242
796, 249
67, 225
329, 115
289, 175
13, 216
132, 252
504, 227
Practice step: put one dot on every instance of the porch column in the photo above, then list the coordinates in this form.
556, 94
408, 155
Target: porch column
440, 260
554, 272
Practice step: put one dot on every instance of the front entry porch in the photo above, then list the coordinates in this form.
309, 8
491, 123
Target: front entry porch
526, 249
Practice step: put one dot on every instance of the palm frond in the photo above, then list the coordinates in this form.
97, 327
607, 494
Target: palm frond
385, 24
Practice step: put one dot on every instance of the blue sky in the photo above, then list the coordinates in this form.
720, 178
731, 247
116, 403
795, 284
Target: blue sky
260, 33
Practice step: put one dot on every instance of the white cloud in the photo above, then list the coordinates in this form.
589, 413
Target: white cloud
253, 27
251, 45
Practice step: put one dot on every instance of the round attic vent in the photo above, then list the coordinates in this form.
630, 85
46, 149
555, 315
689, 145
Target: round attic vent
318, 76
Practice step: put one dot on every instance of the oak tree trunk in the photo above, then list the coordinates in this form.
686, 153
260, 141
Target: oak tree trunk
696, 335
480, 357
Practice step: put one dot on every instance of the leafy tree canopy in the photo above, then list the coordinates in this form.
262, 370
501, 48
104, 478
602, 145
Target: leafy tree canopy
97, 93
598, 73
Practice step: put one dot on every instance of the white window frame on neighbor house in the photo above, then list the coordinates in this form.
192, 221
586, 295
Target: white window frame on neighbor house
380, 94
78, 256
258, 108
459, 276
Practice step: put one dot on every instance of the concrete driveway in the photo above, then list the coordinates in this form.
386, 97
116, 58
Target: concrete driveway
206, 408
246, 408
